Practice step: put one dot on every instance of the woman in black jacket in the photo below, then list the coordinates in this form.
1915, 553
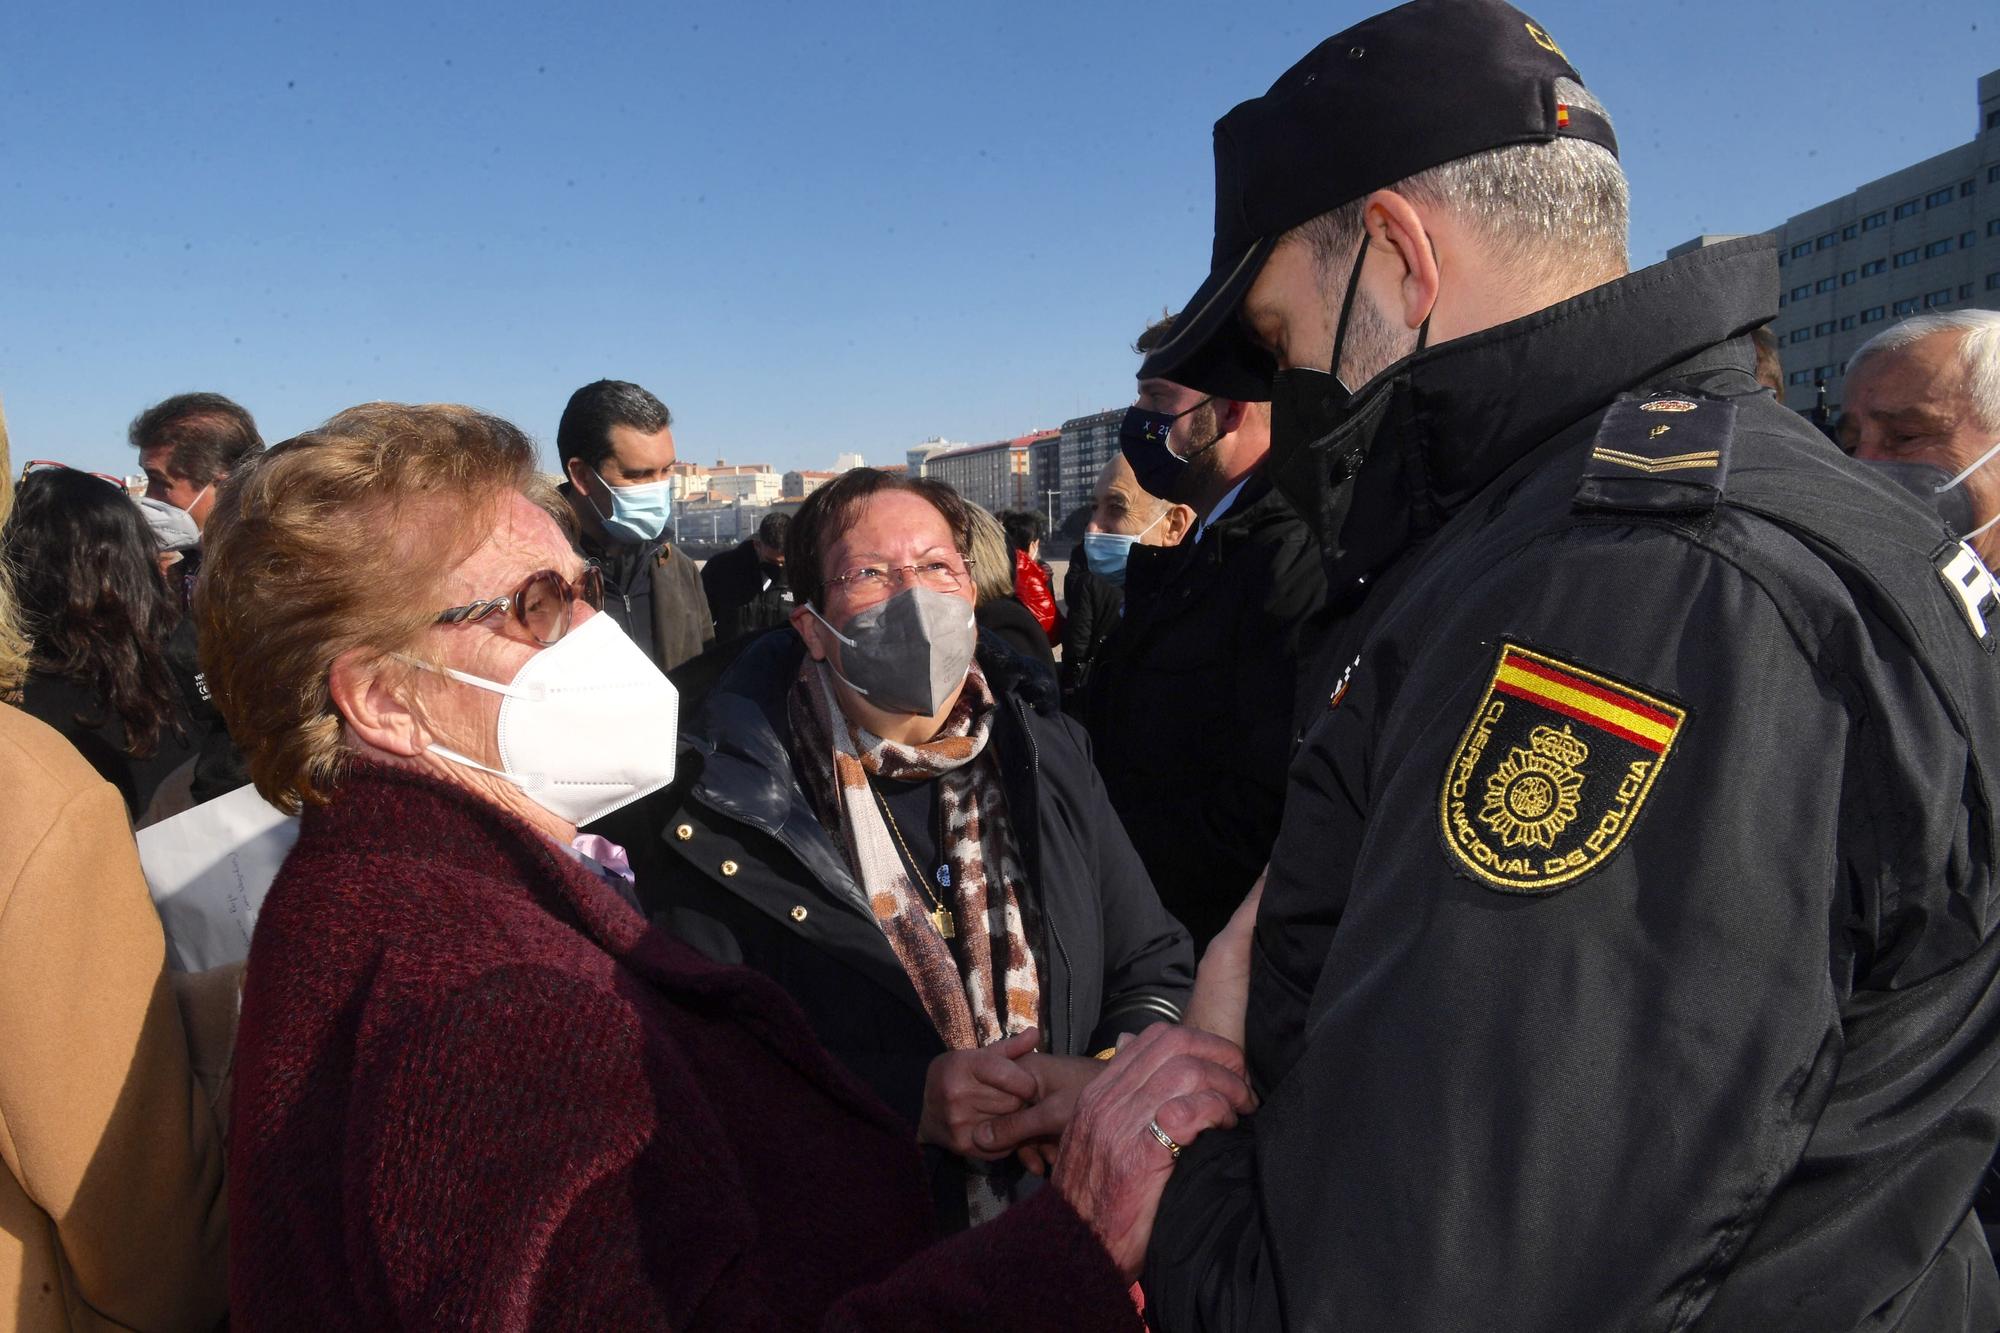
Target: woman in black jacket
912, 840
98, 616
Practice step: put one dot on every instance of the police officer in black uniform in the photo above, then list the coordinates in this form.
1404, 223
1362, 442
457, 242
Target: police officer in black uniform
1628, 951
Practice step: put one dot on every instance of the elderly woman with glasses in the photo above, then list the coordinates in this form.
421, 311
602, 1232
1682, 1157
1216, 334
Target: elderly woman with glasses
473, 1088
893, 819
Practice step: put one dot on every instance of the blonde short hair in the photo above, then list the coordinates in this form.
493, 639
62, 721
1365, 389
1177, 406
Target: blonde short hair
992, 560
339, 540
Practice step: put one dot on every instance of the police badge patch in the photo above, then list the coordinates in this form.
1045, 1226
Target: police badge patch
1551, 772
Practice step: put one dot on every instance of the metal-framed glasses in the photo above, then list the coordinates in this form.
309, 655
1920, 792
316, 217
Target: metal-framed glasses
35, 465
937, 575
542, 605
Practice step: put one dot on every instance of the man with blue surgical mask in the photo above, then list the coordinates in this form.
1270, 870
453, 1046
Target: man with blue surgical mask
616, 443
1190, 701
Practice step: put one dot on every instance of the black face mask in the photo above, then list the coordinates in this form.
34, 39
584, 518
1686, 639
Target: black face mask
1321, 431
1142, 438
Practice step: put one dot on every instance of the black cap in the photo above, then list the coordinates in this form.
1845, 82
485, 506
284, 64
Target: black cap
1423, 84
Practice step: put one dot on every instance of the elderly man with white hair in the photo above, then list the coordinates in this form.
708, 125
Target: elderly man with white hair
1928, 391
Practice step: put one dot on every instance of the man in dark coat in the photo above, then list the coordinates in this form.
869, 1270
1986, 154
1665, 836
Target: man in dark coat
1627, 956
616, 443
1180, 705
746, 584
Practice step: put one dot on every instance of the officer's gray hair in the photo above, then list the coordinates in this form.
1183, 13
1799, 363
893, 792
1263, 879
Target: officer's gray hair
1546, 210
1978, 352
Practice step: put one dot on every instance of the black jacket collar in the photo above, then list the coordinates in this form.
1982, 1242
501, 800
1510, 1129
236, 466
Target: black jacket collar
1450, 420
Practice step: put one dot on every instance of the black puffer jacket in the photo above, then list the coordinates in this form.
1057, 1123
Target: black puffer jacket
737, 864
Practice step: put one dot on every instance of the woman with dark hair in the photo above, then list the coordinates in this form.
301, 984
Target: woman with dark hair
895, 821
97, 615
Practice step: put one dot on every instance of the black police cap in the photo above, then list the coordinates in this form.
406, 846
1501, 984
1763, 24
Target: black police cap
1415, 87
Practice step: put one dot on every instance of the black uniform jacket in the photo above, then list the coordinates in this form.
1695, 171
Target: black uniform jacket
1180, 701
743, 598
753, 878
1627, 960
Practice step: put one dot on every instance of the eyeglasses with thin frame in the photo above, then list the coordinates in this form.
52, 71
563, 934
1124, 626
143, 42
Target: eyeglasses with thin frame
34, 465
542, 605
937, 575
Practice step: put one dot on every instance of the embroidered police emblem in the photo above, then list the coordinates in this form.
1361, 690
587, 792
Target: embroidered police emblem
1551, 772
1667, 405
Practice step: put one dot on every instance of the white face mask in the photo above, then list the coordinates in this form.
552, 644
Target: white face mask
586, 726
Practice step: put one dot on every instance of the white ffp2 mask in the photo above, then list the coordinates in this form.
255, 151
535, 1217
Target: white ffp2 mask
587, 725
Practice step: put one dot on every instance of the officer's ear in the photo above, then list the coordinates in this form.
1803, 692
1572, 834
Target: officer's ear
1408, 286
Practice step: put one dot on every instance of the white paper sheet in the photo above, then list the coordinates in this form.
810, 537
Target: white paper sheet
209, 869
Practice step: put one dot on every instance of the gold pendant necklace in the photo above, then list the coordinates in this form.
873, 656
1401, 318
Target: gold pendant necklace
941, 919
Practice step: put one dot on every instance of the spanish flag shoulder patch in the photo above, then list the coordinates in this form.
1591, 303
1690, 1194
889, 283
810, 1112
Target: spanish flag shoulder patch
1551, 772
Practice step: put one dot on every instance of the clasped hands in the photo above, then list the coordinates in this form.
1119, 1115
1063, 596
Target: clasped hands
1088, 1121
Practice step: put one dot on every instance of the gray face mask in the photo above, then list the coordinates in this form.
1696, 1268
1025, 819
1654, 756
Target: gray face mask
910, 653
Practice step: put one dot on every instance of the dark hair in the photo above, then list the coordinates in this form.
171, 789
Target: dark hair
585, 429
1024, 527
772, 530
830, 511
1156, 334
209, 434
1770, 372
92, 601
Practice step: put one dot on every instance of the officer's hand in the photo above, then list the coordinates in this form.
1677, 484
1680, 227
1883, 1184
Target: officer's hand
1222, 982
1111, 1169
964, 1089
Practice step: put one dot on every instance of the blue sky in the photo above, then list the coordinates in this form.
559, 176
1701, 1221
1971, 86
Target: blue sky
808, 227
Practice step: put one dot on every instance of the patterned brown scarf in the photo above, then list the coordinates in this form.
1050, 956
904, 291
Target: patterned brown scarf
995, 962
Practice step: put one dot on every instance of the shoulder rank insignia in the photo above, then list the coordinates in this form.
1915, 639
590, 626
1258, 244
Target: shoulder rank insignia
1660, 453
1551, 772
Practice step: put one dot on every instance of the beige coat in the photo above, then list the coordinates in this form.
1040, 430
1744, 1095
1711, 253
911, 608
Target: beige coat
111, 1196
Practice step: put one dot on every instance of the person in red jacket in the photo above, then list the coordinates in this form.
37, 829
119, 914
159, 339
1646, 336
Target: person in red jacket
473, 1089
1032, 584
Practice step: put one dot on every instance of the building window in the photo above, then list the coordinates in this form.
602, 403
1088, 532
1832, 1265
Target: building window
1874, 220
1849, 232
1799, 377
1906, 306
1781, 300
1965, 291
1993, 123
1800, 335
1847, 279
1993, 227
1826, 284
1965, 189
1936, 248
1846, 323
1905, 259
1993, 175
1872, 314
1820, 330
1826, 242
1908, 209
1965, 241
1993, 282
1873, 266
1800, 293
1937, 197
1802, 249
1937, 298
